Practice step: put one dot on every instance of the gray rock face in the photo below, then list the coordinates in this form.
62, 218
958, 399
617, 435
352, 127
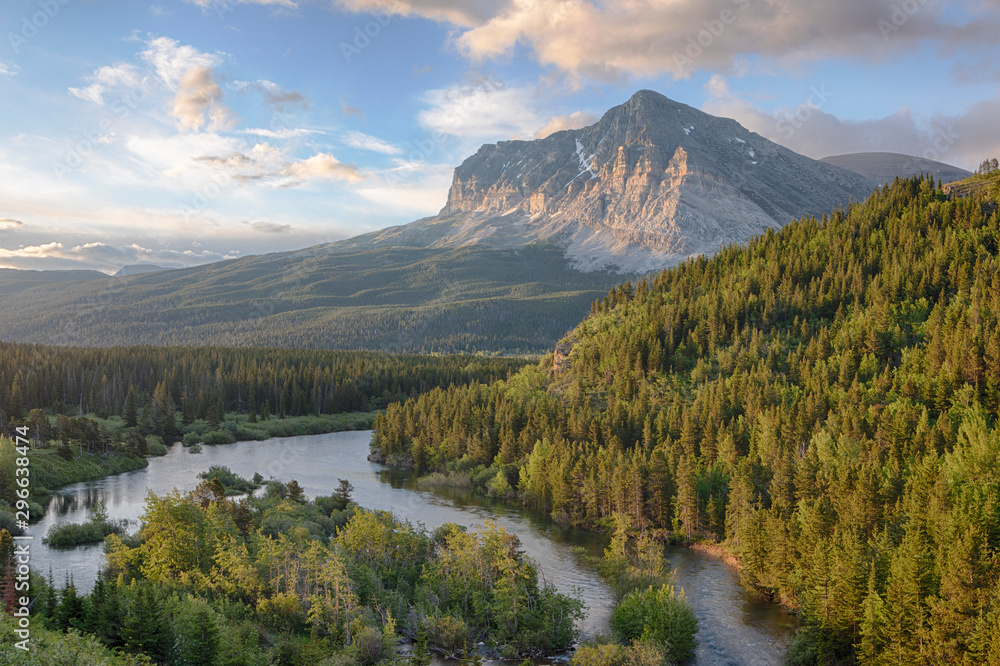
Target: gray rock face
881, 168
653, 182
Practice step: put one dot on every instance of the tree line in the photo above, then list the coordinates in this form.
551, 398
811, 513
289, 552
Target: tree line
207, 382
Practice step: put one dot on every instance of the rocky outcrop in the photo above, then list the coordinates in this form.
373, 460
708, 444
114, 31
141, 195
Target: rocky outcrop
560, 358
653, 182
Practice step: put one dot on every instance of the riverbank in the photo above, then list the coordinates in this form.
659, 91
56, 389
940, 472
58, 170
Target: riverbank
716, 550
482, 481
52, 469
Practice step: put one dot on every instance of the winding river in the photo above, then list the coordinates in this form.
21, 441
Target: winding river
734, 629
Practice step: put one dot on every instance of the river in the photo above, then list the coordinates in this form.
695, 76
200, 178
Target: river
733, 627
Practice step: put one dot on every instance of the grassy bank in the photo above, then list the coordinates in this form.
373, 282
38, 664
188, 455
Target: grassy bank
52, 468
244, 428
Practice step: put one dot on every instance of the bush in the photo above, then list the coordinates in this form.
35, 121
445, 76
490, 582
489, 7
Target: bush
156, 447
659, 615
218, 437
73, 534
450, 633
69, 535
608, 654
191, 438
233, 483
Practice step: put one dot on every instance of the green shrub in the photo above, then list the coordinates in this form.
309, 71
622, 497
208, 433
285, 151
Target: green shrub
157, 448
659, 615
218, 437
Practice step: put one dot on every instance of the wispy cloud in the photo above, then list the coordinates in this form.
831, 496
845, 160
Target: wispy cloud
6, 224
363, 141
172, 60
575, 120
270, 227
193, 159
279, 134
208, 4
274, 95
483, 110
107, 78
7, 69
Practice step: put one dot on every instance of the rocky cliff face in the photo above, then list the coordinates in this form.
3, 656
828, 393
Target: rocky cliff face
653, 182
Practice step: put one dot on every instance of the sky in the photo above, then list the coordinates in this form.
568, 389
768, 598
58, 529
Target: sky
182, 132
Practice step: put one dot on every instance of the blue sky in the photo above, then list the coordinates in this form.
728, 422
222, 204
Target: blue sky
180, 132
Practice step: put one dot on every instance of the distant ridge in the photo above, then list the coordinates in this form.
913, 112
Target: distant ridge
882, 168
138, 269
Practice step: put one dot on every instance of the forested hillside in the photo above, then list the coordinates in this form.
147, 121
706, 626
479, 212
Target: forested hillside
334, 296
823, 401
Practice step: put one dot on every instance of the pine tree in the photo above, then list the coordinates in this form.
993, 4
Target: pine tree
131, 408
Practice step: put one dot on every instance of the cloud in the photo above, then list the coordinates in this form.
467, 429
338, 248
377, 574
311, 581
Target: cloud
181, 69
654, 37
198, 94
218, 4
575, 120
279, 134
158, 11
409, 189
484, 109
349, 110
6, 224
105, 256
171, 60
33, 251
274, 96
363, 141
325, 166
270, 227
963, 139
466, 13
106, 78
7, 69
191, 160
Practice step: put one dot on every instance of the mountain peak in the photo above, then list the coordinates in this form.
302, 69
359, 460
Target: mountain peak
654, 181
645, 99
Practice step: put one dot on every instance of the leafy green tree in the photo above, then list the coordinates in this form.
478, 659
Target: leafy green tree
660, 615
